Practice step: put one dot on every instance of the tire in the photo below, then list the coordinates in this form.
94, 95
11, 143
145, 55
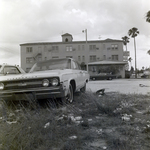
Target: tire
70, 95
83, 89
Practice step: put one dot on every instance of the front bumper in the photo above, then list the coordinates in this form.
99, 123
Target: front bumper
33, 93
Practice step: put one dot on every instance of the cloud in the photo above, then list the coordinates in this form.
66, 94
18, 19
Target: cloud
34, 21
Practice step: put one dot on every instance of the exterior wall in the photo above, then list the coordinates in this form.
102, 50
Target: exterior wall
80, 50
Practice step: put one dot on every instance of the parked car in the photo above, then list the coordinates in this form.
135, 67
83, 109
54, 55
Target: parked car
103, 76
10, 70
146, 74
56, 78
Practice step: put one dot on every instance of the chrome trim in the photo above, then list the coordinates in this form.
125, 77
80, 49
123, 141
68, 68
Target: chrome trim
30, 90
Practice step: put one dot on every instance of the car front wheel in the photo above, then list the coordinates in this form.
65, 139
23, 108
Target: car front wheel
69, 97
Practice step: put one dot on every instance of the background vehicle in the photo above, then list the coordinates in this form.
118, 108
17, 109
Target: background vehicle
57, 78
10, 70
146, 74
103, 76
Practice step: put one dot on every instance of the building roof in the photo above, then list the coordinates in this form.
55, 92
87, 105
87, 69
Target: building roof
66, 34
75, 42
71, 42
104, 62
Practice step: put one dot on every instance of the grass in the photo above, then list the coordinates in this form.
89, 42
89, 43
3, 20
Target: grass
113, 122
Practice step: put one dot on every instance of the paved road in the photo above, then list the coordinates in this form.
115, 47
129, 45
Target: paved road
137, 86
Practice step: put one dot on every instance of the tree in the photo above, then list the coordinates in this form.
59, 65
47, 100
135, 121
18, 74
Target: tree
148, 52
148, 16
133, 33
130, 59
125, 41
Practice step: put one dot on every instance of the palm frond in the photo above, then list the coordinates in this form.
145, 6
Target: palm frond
148, 16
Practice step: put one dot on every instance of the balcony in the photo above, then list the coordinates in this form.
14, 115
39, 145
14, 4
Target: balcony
126, 53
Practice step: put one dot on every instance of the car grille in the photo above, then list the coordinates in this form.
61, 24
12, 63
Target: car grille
24, 84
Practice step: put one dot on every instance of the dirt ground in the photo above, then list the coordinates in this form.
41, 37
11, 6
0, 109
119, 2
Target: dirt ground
124, 86
109, 122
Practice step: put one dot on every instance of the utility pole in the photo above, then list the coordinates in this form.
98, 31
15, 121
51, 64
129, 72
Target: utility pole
135, 58
87, 56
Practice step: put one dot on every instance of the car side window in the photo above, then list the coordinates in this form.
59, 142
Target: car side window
11, 70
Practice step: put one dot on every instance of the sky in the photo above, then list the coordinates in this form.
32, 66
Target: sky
23, 21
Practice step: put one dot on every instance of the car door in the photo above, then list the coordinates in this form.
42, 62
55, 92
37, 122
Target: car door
83, 75
78, 74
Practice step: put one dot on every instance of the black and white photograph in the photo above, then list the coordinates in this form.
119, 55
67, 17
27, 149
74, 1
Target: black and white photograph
74, 75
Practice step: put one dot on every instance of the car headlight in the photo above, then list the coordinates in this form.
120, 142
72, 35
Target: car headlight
1, 86
45, 82
54, 82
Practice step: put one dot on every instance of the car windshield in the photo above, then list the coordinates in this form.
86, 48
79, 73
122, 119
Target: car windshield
51, 65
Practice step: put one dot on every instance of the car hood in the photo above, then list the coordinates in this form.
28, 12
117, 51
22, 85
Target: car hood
34, 75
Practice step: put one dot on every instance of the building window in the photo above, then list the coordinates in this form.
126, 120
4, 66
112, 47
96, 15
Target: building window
39, 58
82, 47
83, 58
92, 47
29, 60
92, 58
108, 48
114, 46
55, 48
45, 48
104, 57
79, 47
103, 46
29, 50
79, 58
66, 40
114, 57
69, 48
69, 57
55, 57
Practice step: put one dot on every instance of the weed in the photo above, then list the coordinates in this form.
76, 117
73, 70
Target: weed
52, 125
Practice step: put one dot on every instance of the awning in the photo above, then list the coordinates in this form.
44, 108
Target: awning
108, 63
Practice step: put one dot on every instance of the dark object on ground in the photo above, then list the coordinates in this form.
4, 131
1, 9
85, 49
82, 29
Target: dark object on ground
142, 85
100, 92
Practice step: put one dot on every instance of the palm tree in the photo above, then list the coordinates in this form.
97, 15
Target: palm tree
148, 52
148, 16
130, 59
125, 41
133, 33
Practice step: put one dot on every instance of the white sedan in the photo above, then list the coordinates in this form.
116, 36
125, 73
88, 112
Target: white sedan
10, 70
56, 78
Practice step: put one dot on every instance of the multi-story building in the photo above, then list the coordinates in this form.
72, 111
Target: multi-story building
83, 51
